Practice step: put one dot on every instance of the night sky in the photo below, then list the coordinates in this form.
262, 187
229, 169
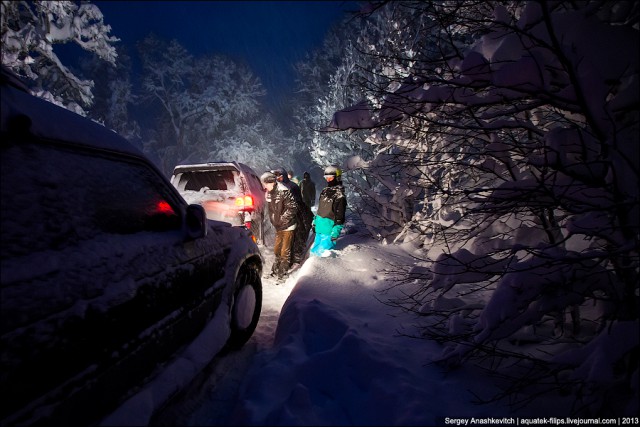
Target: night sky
269, 35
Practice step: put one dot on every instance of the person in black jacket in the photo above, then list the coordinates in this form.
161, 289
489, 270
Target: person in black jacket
304, 214
329, 219
283, 214
308, 190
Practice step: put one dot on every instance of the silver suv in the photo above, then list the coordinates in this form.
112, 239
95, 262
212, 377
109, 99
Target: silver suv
228, 191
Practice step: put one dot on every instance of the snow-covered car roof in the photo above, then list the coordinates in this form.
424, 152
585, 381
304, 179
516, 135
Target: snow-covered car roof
209, 165
61, 124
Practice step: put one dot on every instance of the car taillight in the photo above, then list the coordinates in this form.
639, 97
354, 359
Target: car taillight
164, 207
246, 201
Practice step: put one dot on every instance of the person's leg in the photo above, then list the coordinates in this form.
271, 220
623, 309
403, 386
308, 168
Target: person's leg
321, 244
295, 246
300, 244
277, 252
316, 245
286, 252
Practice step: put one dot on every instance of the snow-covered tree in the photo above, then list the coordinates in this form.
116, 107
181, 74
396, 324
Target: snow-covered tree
326, 82
31, 29
260, 144
362, 60
206, 104
520, 123
113, 95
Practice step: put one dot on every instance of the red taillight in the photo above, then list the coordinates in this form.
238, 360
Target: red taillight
246, 201
164, 207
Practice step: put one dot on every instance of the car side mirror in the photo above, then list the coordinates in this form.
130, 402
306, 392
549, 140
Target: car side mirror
196, 221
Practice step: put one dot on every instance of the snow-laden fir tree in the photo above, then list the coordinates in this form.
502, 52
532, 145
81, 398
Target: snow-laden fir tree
31, 29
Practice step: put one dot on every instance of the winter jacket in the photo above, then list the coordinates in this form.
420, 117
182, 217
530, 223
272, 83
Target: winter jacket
305, 216
308, 190
283, 209
332, 206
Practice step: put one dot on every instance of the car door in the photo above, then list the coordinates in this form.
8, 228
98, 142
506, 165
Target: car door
100, 283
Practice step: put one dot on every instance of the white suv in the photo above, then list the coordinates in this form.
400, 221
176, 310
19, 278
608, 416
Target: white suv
228, 191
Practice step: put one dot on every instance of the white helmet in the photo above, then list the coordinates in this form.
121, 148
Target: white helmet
332, 171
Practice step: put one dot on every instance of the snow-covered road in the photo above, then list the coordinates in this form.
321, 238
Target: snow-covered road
212, 395
342, 356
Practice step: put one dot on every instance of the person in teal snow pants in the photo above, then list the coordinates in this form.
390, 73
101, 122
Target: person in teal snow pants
329, 219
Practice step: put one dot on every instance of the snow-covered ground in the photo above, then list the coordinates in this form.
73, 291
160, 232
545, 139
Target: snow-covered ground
328, 351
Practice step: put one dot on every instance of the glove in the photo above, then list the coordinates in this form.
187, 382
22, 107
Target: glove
335, 232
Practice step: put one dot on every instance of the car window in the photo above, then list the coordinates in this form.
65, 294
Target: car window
221, 180
54, 196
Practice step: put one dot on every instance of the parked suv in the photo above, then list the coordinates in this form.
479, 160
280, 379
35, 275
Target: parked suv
114, 292
228, 191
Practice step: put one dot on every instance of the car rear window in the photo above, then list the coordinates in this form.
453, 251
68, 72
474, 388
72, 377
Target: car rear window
221, 180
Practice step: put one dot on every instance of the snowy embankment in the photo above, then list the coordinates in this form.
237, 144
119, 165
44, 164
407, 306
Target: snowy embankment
338, 356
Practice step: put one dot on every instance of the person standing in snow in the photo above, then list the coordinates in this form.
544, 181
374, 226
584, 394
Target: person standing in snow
283, 215
308, 190
329, 219
304, 215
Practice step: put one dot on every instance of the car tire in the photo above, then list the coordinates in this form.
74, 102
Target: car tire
246, 306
